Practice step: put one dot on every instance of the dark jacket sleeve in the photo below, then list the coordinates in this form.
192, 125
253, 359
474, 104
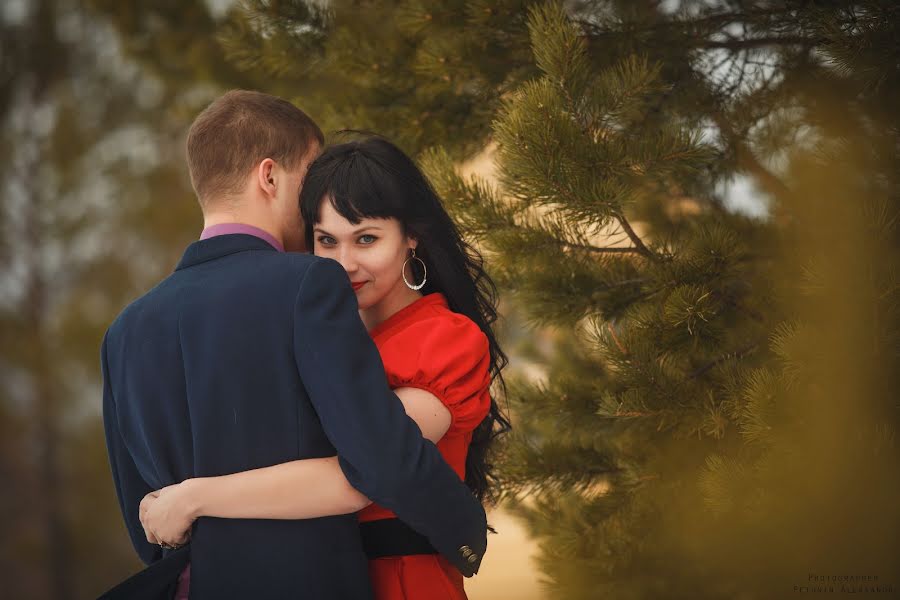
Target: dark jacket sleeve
130, 486
381, 450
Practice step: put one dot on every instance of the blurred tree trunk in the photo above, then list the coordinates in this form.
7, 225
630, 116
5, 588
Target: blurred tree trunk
96, 206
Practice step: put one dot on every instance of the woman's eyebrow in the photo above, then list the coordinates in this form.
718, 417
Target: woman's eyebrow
358, 231
367, 228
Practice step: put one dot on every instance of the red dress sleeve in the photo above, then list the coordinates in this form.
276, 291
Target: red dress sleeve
449, 357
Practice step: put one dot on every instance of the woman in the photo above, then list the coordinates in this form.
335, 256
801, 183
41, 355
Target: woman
428, 305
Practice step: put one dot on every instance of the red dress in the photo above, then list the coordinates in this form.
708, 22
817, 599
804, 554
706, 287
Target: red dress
427, 346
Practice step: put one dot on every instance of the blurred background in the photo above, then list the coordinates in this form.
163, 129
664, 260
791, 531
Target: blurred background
691, 207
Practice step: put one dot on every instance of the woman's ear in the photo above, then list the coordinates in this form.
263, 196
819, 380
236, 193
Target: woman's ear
265, 177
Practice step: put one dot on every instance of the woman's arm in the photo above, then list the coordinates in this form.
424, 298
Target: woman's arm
300, 489
429, 413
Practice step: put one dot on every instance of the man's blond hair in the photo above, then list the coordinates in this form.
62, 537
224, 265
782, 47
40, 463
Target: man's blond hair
236, 132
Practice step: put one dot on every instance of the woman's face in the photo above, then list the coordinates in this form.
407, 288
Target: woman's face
372, 252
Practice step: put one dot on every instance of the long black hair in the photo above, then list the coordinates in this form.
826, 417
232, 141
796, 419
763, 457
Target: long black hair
372, 178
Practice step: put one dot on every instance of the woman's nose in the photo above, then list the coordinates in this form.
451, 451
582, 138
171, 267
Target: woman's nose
347, 260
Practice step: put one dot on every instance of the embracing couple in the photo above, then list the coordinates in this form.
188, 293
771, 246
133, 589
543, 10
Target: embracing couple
303, 408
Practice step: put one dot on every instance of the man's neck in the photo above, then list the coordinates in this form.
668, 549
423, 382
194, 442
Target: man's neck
221, 218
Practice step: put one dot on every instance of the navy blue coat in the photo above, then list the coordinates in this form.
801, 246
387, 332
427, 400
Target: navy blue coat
246, 357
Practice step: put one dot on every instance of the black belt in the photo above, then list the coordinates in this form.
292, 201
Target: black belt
392, 537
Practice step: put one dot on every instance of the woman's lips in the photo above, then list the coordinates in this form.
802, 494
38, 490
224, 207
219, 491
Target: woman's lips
358, 285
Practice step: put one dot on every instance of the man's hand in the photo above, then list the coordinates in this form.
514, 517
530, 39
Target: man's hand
166, 516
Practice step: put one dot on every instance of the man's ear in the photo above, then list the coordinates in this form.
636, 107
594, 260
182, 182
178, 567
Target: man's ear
265, 177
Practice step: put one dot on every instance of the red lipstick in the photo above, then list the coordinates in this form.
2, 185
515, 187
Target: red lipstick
357, 285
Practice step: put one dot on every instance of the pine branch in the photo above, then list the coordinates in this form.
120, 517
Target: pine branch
747, 161
635, 239
712, 24
599, 250
731, 355
612, 332
746, 44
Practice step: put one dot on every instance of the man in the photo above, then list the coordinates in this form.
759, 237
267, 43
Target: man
247, 356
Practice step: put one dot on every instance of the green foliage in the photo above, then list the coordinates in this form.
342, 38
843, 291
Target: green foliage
415, 71
716, 387
681, 409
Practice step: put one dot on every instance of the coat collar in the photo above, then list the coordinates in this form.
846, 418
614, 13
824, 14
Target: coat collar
219, 246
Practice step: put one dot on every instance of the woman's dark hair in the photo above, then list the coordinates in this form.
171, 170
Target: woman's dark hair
372, 178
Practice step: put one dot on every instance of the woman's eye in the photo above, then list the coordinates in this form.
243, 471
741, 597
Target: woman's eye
326, 240
367, 239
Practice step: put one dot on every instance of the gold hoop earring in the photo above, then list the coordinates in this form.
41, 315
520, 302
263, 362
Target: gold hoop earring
424, 272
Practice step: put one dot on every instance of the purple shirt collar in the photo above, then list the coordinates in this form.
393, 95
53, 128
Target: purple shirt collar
229, 228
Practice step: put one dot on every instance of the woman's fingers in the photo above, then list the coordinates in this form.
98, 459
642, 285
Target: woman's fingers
145, 503
164, 530
148, 532
150, 537
163, 521
142, 514
156, 527
174, 541
176, 538
167, 539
